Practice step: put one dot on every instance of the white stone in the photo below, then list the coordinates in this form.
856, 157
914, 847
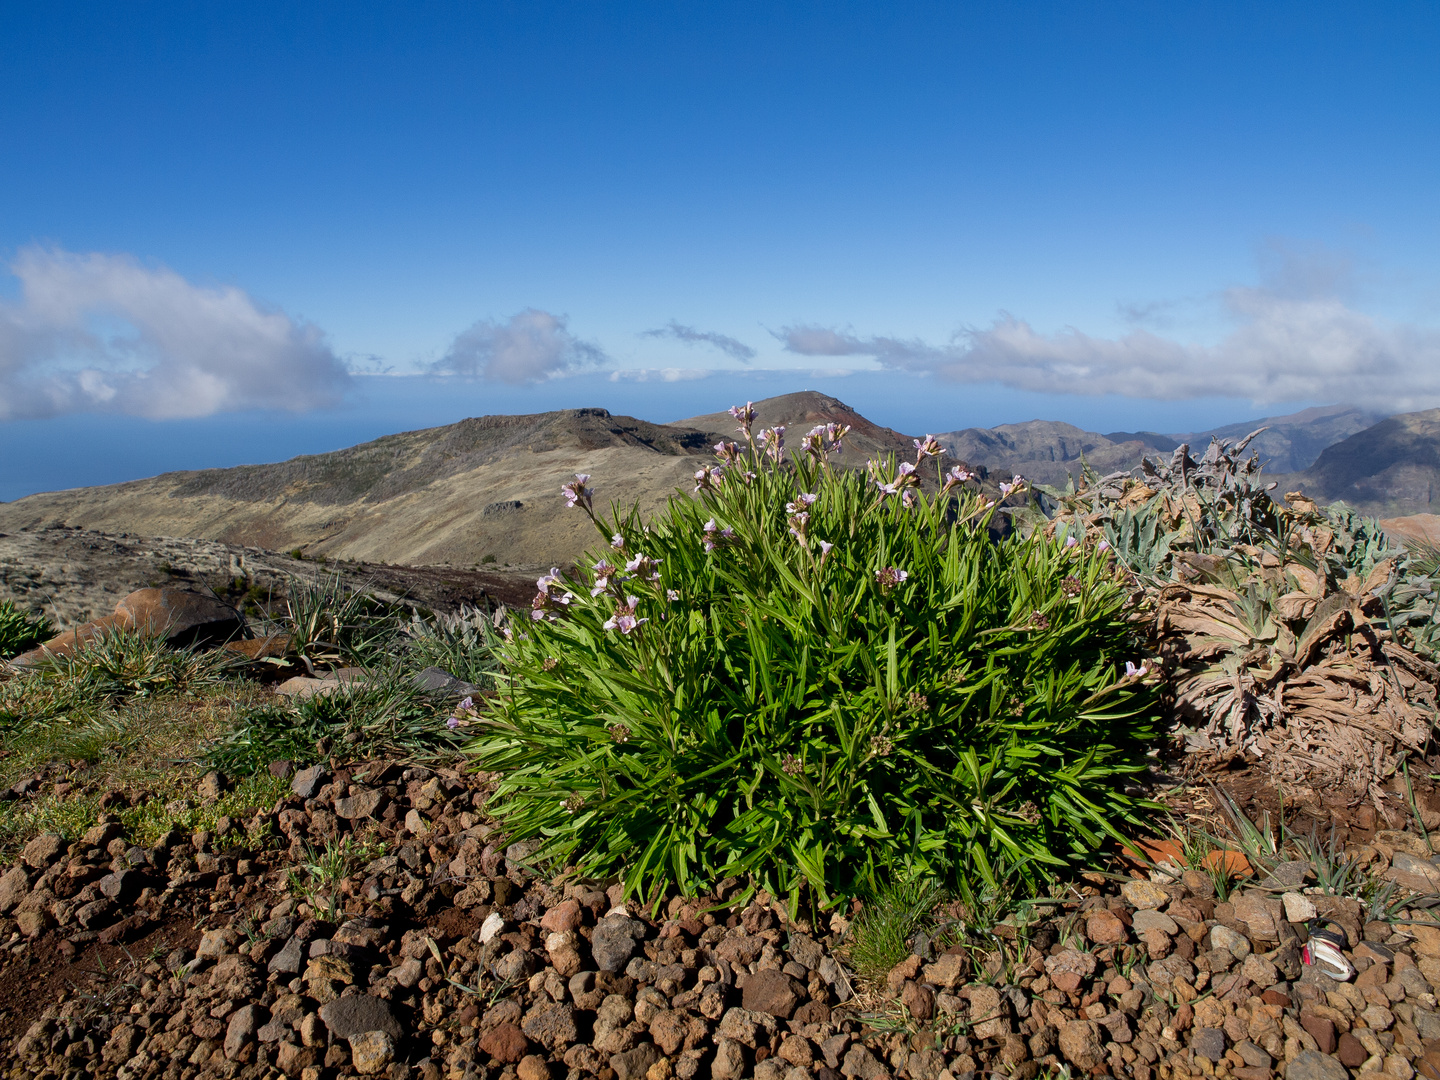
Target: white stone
492, 925
1298, 908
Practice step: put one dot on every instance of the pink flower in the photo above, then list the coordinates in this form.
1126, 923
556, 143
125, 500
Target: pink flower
576, 493
1104, 545
624, 618
603, 572
644, 567
773, 442
927, 447
746, 416
1133, 672
709, 478
715, 535
453, 723
1071, 542
958, 475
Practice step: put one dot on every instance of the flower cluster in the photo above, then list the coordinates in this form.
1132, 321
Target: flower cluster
1016, 485
1134, 672
823, 440
708, 478
792, 765
1039, 620
715, 535
1071, 586
927, 447
624, 618
576, 493
889, 576
956, 476
464, 714
603, 573
799, 512
902, 483
644, 568
772, 443
745, 416
548, 603
619, 732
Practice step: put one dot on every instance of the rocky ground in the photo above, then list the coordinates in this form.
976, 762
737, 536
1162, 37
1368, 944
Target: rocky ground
383, 929
74, 575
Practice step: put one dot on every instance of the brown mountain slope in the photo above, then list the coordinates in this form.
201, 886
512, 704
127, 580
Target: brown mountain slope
802, 411
484, 487
488, 486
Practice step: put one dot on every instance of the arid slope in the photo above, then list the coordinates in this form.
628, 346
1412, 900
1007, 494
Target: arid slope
484, 487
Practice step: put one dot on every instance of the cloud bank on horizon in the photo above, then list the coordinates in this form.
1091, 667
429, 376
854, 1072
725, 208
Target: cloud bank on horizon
1294, 339
106, 333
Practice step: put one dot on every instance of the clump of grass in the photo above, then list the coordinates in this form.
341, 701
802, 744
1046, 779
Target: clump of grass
317, 879
383, 712
20, 631
114, 665
330, 624
884, 931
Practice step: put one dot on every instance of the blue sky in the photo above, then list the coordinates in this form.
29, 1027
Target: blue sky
1122, 215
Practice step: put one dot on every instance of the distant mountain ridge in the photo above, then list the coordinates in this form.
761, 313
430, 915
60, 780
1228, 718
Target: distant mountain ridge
1391, 468
1050, 452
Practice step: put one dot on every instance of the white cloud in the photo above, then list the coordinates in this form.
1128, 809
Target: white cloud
1294, 338
691, 336
669, 374
529, 347
106, 333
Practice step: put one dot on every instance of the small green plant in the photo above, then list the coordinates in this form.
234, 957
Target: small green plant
20, 631
317, 879
330, 624
385, 710
815, 677
463, 644
152, 818
883, 933
118, 664
68, 815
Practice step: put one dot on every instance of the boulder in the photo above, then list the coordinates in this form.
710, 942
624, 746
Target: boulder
180, 617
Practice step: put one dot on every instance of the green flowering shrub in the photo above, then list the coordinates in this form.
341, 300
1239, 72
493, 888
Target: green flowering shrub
811, 676
19, 631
